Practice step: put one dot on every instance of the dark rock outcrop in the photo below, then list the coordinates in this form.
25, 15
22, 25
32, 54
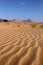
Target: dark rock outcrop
3, 20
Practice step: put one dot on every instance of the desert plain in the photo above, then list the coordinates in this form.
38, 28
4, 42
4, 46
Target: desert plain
21, 43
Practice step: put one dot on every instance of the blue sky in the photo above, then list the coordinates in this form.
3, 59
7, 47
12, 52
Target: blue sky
22, 9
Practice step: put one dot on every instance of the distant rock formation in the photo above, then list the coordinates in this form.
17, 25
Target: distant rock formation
4, 20
15, 20
1, 20
28, 20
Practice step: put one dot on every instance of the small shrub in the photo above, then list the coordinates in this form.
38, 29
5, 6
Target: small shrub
41, 26
7, 23
18, 25
33, 25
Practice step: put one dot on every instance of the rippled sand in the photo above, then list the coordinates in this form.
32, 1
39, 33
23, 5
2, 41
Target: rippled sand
21, 43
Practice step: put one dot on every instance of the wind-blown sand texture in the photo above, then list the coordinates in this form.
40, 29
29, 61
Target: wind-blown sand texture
21, 43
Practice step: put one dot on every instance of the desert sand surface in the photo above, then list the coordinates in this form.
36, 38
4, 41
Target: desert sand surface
21, 43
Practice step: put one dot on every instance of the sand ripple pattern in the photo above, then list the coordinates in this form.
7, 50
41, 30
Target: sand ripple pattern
20, 47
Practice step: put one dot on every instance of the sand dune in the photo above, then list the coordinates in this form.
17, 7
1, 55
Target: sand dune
21, 43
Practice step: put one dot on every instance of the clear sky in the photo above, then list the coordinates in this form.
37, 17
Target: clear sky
22, 9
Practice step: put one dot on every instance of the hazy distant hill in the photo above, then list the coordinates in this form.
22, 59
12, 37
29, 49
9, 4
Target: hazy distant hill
15, 20
28, 20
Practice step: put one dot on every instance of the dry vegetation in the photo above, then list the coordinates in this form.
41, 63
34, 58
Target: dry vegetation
7, 23
41, 26
18, 25
33, 25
